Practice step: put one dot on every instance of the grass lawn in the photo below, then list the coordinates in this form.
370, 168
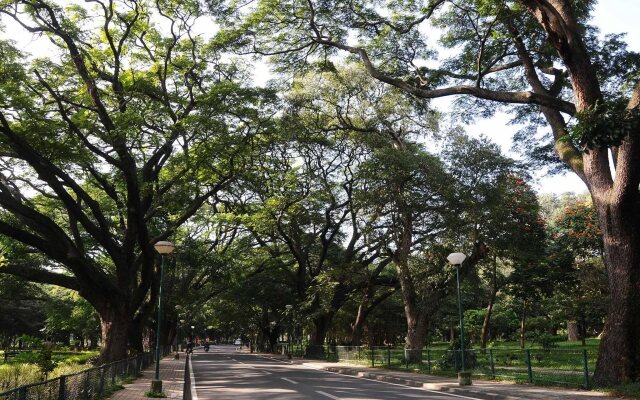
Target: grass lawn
61, 357
590, 343
21, 369
562, 364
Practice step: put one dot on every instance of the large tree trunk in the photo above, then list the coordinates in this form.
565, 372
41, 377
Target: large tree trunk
484, 333
572, 331
136, 333
319, 328
416, 335
115, 324
619, 355
416, 319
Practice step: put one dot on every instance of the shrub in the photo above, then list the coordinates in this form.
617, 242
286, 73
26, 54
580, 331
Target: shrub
44, 361
30, 341
547, 341
26, 357
452, 358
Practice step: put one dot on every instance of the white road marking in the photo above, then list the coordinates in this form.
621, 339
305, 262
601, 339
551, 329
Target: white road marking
289, 380
328, 395
275, 359
194, 394
266, 372
398, 384
372, 380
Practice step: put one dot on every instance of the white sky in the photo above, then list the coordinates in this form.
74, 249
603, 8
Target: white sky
611, 16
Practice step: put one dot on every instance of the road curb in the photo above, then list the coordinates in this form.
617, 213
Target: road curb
419, 384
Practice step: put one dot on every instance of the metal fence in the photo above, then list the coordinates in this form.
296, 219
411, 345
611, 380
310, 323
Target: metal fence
89, 384
572, 367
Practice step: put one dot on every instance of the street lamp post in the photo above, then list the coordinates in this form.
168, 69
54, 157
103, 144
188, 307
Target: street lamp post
464, 377
164, 248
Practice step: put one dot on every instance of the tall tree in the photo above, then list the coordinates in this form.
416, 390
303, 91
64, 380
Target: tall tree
539, 54
110, 145
408, 188
579, 243
304, 205
514, 231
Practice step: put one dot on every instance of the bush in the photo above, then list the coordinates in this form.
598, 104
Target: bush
85, 357
548, 342
29, 341
44, 361
452, 359
26, 357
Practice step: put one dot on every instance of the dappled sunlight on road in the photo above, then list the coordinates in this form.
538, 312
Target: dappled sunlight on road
241, 376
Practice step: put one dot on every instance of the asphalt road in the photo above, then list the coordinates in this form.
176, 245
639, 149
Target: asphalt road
224, 373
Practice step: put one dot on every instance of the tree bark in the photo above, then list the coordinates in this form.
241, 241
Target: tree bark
619, 354
416, 336
356, 327
484, 333
319, 328
572, 331
115, 324
416, 318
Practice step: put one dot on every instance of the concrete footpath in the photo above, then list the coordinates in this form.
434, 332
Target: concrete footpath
488, 389
171, 373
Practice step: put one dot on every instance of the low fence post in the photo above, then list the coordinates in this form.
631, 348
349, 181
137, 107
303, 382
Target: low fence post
529, 371
62, 389
406, 359
493, 368
373, 360
101, 387
86, 387
22, 393
455, 359
429, 360
585, 366
359, 354
389, 356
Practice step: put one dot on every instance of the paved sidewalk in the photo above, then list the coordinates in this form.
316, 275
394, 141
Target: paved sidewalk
499, 390
171, 373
